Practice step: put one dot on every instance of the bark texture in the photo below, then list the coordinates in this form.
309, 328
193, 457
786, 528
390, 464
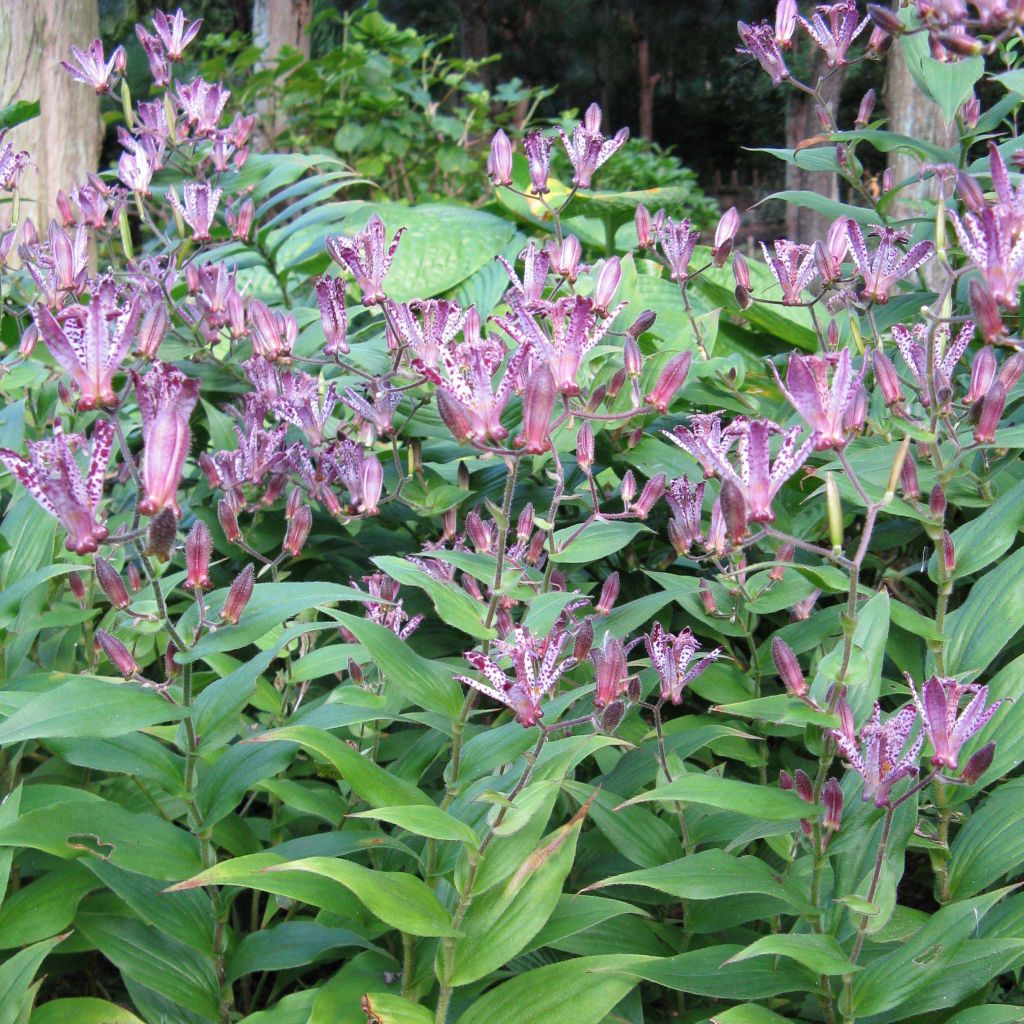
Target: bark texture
64, 141
275, 25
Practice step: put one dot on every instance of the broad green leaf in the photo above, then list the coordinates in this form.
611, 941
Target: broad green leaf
709, 875
820, 953
424, 682
224, 784
16, 975
13, 597
87, 706
989, 1015
18, 113
948, 83
389, 1009
400, 900
730, 795
596, 541
579, 991
422, 820
750, 1013
288, 945
990, 844
85, 1010
45, 906
779, 708
579, 913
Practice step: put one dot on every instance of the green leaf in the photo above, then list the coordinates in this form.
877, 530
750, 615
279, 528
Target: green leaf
82, 1011
579, 991
288, 945
948, 83
18, 113
992, 614
779, 708
44, 907
223, 785
990, 844
431, 822
750, 1013
989, 1015
819, 953
87, 706
598, 540
16, 975
388, 1009
730, 795
13, 597
400, 900
424, 682
710, 875
367, 780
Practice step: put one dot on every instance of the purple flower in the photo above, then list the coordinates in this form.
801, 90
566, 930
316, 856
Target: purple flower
499, 160
90, 69
537, 666
385, 607
159, 67
757, 478
760, 42
90, 343
885, 266
793, 266
834, 27
535, 271
330, 296
349, 464
670, 658
175, 32
589, 149
51, 475
273, 331
202, 104
12, 162
611, 670
912, 343
878, 755
686, 504
677, 241
199, 208
375, 408
947, 728
823, 405
990, 243
538, 157
166, 399
431, 334
293, 396
364, 254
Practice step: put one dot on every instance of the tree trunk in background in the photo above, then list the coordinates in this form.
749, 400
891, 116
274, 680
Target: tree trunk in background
276, 24
646, 82
64, 141
473, 41
804, 225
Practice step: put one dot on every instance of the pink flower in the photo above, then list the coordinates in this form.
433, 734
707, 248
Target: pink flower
793, 266
589, 149
686, 504
175, 32
834, 27
431, 334
912, 344
166, 399
159, 67
202, 104
385, 607
947, 728
990, 243
12, 163
89, 68
330, 296
885, 266
678, 241
199, 208
538, 158
760, 42
365, 256
52, 476
535, 271
670, 658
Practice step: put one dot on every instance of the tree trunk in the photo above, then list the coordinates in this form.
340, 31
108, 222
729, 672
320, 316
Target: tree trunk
646, 82
275, 25
802, 122
64, 141
473, 41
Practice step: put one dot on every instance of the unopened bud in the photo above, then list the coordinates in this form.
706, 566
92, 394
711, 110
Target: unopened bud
453, 415
644, 322
596, 397
584, 640
832, 798
462, 476
642, 220
585, 446
885, 19
741, 272
985, 311
536, 549
198, 548
615, 384
903, 472
784, 555
298, 531
355, 672
162, 531
1010, 372
734, 511
609, 595
134, 578
707, 598
804, 787
960, 43
977, 764
801, 611
879, 41
650, 495
538, 401
866, 109
152, 329
627, 489
983, 375
449, 523
170, 665
117, 654
856, 414
948, 552
671, 379
937, 503
632, 360
834, 509
611, 716
678, 537
479, 535
725, 232
887, 378
28, 342
608, 280
499, 162
991, 413
238, 595
111, 583
788, 668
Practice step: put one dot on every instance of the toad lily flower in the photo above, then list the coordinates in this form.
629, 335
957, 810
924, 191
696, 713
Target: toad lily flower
159, 67
365, 256
90, 343
686, 504
12, 162
760, 42
947, 728
834, 27
589, 149
166, 399
175, 32
203, 104
756, 477
199, 208
51, 475
878, 757
677, 244
885, 266
90, 69
536, 670
538, 157
535, 271
988, 241
822, 405
793, 266
385, 607
431, 334
912, 343
670, 658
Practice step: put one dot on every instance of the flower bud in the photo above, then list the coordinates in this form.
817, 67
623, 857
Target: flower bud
372, 485
499, 162
707, 598
948, 552
170, 665
565, 258
878, 43
785, 555
885, 19
887, 378
607, 285
834, 509
615, 384
785, 23
734, 511
238, 595
977, 764
632, 360
678, 537
449, 523
596, 397
228, 521
609, 595
867, 108
801, 611
111, 583
741, 272
28, 341
937, 503
788, 668
472, 587
672, 378
985, 311
1010, 372
644, 322
611, 716
355, 672
585, 446
584, 640
960, 43
627, 489
240, 222
64, 209
970, 193
453, 415
908, 479
650, 495
970, 111
642, 220
856, 414
538, 401
832, 798
480, 536
134, 578
536, 549
524, 524
77, 587
198, 548
786, 783
804, 787
983, 375
152, 329
117, 654
162, 531
298, 530
330, 297
725, 232
462, 476
991, 413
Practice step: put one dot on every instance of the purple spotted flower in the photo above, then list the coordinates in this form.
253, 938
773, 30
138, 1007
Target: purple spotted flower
913, 345
12, 163
537, 665
428, 327
159, 67
90, 68
677, 240
203, 104
365, 255
886, 265
793, 266
991, 244
834, 27
538, 157
760, 42
175, 32
535, 271
589, 149
52, 476
878, 755
385, 607
198, 209
740, 454
686, 503
947, 727
822, 403
670, 658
